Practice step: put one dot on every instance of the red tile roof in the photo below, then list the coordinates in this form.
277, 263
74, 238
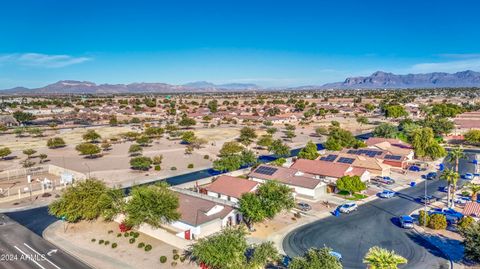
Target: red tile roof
288, 176
324, 168
232, 186
472, 209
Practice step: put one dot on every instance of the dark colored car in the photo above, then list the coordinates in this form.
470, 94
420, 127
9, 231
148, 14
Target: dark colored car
384, 180
304, 206
428, 199
431, 176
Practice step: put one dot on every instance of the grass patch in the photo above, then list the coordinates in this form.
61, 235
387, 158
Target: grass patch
354, 197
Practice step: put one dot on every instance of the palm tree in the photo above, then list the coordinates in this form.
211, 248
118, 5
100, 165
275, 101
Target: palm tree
451, 177
455, 155
380, 258
475, 189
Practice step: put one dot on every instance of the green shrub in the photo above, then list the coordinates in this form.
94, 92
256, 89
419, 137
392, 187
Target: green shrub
110, 231
176, 256
173, 168
93, 239
163, 259
132, 240
126, 234
206, 157
438, 222
423, 218
107, 243
148, 247
190, 165
158, 168
114, 245
173, 264
175, 251
465, 222
101, 241
182, 258
135, 234
141, 245
465, 193
119, 234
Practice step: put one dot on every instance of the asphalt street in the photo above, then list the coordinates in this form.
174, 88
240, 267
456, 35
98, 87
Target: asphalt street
375, 224
22, 249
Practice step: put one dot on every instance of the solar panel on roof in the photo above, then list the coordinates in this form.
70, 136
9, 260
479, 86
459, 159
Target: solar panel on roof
393, 157
331, 157
352, 151
346, 160
265, 170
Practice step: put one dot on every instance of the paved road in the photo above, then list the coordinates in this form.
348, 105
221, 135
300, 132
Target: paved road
22, 249
374, 224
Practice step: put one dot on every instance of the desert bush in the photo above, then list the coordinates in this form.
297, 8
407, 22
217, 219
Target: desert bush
163, 259
182, 258
148, 247
107, 243
93, 239
157, 167
119, 234
110, 231
141, 245
101, 241
114, 245
423, 218
126, 234
132, 240
173, 264
206, 157
190, 165
173, 168
438, 222
176, 256
465, 222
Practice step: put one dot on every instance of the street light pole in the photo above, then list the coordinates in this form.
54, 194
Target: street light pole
425, 213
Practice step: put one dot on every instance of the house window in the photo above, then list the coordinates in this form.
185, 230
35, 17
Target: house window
219, 195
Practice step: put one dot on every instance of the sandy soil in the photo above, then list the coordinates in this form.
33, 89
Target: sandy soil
77, 240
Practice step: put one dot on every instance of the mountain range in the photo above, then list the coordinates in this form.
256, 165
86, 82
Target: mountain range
378, 80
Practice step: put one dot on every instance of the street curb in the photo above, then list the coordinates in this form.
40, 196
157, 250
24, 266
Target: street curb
444, 253
66, 251
23, 208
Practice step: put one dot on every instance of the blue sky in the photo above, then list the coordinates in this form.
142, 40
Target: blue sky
270, 43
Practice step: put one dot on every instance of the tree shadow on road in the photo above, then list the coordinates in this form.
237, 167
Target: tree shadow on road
36, 220
439, 246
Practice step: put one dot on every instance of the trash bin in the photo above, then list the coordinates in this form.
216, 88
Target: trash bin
413, 183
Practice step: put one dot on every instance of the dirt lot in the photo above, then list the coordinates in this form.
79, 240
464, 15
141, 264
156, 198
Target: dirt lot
77, 240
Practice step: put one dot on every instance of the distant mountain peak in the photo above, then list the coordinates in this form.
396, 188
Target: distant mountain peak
381, 79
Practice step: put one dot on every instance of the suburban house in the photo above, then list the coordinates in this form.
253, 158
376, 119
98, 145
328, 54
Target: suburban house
230, 188
8, 121
302, 183
329, 172
374, 166
394, 152
201, 216
467, 121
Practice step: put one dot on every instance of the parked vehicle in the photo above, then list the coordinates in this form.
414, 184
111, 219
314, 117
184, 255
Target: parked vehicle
431, 176
384, 180
443, 189
336, 255
304, 206
414, 168
386, 194
468, 176
348, 207
406, 222
449, 212
462, 200
428, 199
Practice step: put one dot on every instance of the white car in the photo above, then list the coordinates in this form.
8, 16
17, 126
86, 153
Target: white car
468, 176
348, 207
